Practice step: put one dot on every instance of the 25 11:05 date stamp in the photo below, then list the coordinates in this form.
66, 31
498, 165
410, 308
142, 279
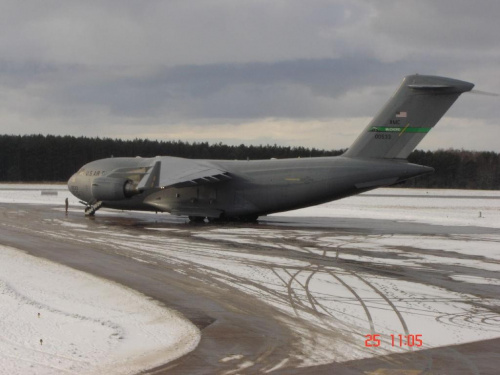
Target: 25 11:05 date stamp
376, 340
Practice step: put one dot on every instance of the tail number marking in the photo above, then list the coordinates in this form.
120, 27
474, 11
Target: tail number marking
383, 136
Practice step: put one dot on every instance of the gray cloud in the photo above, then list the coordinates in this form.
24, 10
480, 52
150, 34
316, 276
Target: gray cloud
441, 26
89, 67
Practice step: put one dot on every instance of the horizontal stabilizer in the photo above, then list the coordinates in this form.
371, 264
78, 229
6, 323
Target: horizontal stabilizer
430, 87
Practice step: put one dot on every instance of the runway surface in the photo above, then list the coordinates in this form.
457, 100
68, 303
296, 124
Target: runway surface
294, 294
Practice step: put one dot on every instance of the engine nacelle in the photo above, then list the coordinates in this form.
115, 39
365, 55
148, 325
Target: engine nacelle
112, 189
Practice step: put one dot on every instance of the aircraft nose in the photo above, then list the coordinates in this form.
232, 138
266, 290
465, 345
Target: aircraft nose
71, 179
73, 186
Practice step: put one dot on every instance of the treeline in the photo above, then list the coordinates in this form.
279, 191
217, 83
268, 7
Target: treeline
33, 158
457, 169
55, 158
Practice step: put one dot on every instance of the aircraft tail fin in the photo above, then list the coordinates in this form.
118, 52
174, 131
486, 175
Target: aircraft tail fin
408, 116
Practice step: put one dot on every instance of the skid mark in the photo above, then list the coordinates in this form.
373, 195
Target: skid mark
358, 298
389, 302
321, 279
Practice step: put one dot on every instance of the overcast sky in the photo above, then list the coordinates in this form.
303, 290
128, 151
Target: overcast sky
291, 72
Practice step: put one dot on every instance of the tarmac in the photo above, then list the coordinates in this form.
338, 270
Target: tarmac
249, 326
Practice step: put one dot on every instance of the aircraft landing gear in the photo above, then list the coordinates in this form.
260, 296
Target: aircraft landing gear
234, 219
91, 209
197, 219
248, 218
216, 220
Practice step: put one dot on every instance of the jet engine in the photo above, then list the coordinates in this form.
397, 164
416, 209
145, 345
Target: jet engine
112, 189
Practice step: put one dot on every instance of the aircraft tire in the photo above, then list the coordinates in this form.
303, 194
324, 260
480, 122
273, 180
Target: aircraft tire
248, 218
234, 219
196, 219
217, 219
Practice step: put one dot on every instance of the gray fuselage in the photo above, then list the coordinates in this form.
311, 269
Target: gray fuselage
256, 188
247, 189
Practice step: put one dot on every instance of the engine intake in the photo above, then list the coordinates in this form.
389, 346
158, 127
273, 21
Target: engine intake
113, 189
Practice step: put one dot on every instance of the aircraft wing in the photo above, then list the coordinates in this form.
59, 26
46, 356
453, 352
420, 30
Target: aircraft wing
165, 171
179, 172
195, 177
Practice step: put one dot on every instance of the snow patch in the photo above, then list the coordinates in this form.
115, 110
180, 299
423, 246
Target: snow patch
55, 319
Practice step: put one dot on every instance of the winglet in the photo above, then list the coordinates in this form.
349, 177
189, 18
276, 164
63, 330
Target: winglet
151, 178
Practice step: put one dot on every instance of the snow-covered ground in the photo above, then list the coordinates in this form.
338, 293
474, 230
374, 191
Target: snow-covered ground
358, 303
54, 319
432, 206
315, 280
36, 194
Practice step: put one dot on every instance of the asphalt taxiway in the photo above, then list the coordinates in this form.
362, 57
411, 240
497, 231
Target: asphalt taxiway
291, 295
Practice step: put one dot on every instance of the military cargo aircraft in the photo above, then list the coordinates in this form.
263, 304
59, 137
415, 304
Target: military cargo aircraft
243, 190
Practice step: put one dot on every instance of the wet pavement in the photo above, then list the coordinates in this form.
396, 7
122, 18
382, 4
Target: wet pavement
294, 295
